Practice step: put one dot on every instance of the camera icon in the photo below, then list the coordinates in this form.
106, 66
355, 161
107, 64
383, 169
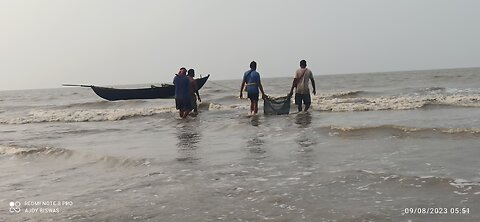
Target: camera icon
14, 207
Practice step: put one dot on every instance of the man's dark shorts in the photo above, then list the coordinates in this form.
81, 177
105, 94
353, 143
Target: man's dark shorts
302, 97
253, 96
183, 104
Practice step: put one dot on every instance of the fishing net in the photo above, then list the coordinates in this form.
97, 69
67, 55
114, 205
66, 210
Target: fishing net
276, 105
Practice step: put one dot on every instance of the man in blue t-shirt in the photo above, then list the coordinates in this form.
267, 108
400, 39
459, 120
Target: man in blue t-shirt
183, 89
251, 79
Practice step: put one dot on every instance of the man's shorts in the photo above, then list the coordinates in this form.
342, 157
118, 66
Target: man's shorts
183, 104
302, 97
253, 96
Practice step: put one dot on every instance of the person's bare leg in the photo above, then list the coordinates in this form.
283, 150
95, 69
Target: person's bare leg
186, 113
306, 107
255, 107
252, 107
299, 100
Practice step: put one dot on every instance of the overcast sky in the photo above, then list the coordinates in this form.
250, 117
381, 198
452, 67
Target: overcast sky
109, 42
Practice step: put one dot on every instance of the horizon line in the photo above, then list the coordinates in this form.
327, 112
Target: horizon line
328, 74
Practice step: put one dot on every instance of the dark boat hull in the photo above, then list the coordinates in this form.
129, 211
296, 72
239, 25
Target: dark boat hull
162, 92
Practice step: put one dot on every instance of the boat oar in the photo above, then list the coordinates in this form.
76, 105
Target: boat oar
90, 86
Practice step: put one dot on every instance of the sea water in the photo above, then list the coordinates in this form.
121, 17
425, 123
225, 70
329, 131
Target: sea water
395, 146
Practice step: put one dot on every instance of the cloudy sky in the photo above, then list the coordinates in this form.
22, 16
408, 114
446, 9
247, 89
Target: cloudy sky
110, 42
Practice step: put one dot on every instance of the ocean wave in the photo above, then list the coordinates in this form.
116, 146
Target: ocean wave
341, 94
218, 90
112, 114
96, 104
227, 98
427, 90
365, 180
395, 129
88, 131
29, 151
102, 104
435, 88
320, 103
462, 90
62, 153
218, 106
91, 115
392, 102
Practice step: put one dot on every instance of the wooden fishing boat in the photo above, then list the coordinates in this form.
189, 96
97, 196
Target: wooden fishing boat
154, 92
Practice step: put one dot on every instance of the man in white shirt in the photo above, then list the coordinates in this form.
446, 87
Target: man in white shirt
300, 82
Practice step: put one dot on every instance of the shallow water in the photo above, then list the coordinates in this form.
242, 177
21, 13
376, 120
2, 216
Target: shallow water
372, 146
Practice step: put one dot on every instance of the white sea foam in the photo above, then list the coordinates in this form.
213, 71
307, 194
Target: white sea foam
214, 106
461, 183
406, 129
392, 102
53, 152
84, 115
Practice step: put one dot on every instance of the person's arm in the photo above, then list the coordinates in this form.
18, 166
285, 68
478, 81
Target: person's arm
313, 85
198, 96
195, 89
261, 89
241, 89
293, 86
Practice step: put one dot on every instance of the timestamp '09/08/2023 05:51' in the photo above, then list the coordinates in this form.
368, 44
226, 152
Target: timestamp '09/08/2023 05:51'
436, 210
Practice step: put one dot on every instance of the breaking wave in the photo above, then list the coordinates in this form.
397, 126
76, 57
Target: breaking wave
57, 153
92, 115
349, 101
399, 130
334, 102
113, 114
25, 151
341, 94
97, 104
227, 98
102, 104
392, 102
218, 106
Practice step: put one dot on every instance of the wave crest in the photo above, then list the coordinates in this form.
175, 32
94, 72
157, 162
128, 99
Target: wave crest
92, 115
52, 152
395, 129
24, 151
341, 94
392, 102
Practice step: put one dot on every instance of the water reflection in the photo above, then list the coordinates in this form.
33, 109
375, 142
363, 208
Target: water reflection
188, 135
303, 119
306, 138
255, 144
255, 120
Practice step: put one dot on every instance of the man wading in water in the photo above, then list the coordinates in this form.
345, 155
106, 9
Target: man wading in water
183, 90
302, 77
194, 94
252, 81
